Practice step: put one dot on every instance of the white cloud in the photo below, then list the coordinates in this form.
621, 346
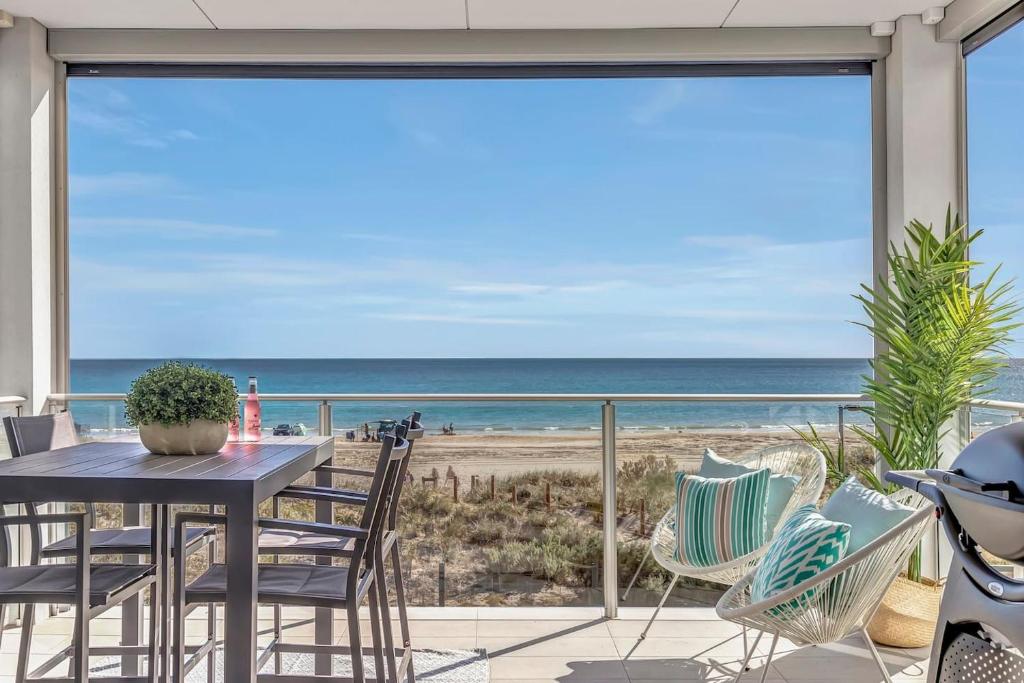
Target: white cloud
168, 228
664, 100
462, 319
525, 289
727, 241
120, 183
110, 112
512, 288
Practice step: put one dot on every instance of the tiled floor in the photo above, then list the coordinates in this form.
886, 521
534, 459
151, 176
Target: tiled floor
539, 645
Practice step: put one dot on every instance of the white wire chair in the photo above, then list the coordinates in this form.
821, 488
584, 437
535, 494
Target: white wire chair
798, 459
836, 603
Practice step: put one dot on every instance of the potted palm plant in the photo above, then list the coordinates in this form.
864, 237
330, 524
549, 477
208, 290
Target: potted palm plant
182, 409
943, 337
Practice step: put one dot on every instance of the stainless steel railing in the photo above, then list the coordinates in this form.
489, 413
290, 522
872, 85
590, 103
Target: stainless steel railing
608, 403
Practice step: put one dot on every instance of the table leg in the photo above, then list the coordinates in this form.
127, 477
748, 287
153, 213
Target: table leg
324, 618
131, 609
240, 606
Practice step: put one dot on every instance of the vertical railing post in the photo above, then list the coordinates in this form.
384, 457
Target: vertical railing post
611, 559
1017, 417
325, 419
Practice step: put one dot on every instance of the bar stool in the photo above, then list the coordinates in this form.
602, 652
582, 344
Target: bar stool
90, 589
278, 542
346, 586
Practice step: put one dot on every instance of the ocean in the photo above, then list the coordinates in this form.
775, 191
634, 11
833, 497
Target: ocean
494, 375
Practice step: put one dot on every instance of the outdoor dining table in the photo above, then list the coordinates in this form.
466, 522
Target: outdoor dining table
239, 477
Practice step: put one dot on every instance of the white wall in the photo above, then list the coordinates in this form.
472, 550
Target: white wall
26, 209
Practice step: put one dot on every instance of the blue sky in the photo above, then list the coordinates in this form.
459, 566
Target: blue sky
614, 218
995, 100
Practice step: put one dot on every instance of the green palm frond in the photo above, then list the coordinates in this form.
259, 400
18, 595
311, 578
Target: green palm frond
944, 341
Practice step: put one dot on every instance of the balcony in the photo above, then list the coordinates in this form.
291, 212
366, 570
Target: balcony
527, 553
526, 623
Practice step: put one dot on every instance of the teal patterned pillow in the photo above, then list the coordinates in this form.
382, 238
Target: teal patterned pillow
719, 520
806, 545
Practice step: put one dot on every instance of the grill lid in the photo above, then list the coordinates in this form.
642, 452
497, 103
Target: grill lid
984, 490
994, 462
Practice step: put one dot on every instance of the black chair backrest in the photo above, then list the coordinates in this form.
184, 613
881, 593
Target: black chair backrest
393, 451
38, 433
413, 431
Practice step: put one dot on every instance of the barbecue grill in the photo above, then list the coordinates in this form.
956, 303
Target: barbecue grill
980, 503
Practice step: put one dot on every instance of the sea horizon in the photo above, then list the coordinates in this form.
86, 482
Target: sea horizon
523, 375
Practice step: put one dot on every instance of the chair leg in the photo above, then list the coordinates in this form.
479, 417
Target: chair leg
276, 635
211, 635
355, 643
745, 666
152, 675
211, 617
27, 622
664, 599
3, 620
876, 656
768, 662
403, 615
385, 620
636, 574
375, 631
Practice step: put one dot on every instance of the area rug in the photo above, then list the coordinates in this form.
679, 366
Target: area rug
431, 666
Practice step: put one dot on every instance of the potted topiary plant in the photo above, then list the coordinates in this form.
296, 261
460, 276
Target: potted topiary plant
182, 408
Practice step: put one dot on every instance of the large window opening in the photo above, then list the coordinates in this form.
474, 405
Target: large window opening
995, 107
556, 235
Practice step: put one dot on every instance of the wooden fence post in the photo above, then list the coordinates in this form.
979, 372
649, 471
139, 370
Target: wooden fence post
455, 489
492, 487
513, 494
442, 587
547, 495
643, 518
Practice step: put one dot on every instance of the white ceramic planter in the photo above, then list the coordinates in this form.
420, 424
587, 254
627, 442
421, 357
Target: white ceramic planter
200, 437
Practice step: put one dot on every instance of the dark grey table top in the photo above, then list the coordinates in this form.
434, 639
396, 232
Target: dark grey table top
125, 472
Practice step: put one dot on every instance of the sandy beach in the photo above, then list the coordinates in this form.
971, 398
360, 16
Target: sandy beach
484, 454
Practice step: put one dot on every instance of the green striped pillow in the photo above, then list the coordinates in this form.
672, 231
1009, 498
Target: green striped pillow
719, 520
806, 545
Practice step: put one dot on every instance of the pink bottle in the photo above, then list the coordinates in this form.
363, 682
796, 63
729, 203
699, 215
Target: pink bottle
252, 413
233, 425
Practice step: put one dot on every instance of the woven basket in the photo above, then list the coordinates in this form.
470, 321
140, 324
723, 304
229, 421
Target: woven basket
907, 615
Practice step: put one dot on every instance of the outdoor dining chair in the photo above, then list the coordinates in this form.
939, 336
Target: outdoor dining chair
804, 462
838, 602
345, 586
286, 542
90, 588
38, 433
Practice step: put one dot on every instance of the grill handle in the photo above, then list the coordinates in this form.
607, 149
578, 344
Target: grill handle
957, 480
916, 480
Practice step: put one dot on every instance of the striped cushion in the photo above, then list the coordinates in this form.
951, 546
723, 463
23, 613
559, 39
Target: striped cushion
720, 520
806, 545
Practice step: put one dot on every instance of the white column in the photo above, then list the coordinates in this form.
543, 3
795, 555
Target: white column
26, 213
923, 161
922, 109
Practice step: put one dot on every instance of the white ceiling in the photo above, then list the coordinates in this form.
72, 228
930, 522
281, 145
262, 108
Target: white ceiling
460, 14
